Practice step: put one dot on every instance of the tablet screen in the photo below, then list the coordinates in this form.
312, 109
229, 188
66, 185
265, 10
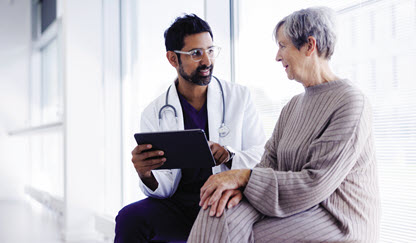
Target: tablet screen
182, 149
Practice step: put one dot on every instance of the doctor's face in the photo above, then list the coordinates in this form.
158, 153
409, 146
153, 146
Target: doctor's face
200, 72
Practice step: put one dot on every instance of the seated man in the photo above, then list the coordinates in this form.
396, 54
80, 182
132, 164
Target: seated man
226, 113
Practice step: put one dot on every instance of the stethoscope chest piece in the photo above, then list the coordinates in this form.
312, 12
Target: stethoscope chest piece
223, 130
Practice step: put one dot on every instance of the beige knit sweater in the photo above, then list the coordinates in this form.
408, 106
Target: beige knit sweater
320, 158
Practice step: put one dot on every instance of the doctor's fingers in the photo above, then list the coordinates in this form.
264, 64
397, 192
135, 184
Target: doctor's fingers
220, 158
140, 148
219, 153
154, 166
149, 165
149, 154
223, 158
215, 147
149, 162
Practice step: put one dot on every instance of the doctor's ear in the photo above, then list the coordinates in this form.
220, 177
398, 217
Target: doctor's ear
172, 58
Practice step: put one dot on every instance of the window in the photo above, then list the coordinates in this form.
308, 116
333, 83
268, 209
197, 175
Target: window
46, 102
51, 87
48, 13
374, 51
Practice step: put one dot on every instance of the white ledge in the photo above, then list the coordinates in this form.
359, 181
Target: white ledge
35, 129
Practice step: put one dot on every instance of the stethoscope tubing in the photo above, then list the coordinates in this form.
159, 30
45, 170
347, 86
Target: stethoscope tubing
223, 126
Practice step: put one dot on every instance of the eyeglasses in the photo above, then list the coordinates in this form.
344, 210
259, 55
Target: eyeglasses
197, 54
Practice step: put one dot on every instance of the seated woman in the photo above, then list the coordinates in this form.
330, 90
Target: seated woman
317, 180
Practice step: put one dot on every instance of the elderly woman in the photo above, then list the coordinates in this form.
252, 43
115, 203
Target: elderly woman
317, 180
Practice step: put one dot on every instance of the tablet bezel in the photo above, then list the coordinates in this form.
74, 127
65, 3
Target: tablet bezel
182, 149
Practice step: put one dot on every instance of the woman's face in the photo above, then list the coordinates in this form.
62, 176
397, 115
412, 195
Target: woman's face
293, 60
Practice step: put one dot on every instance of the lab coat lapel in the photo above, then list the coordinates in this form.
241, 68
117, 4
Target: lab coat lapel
214, 106
174, 100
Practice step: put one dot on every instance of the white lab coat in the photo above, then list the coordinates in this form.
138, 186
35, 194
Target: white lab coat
246, 136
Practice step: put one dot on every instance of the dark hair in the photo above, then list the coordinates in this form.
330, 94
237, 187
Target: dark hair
183, 26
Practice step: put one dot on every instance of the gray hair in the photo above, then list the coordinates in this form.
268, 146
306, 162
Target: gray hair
317, 22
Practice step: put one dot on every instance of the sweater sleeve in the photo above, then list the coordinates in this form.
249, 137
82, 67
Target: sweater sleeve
330, 158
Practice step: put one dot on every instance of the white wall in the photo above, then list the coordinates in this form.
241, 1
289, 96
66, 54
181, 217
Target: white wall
82, 34
14, 69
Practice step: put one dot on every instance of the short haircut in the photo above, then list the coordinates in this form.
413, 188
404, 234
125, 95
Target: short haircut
183, 26
317, 22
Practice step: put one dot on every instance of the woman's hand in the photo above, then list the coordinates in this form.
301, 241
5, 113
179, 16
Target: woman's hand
215, 189
229, 198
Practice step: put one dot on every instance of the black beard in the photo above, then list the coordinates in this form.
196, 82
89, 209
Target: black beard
195, 78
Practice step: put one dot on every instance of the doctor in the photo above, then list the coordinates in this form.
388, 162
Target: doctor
195, 100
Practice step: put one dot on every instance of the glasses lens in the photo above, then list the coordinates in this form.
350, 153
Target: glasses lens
213, 51
197, 54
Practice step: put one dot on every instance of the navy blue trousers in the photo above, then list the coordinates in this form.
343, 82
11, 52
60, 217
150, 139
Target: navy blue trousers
154, 219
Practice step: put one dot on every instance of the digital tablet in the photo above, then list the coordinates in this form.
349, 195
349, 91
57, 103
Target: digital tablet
182, 149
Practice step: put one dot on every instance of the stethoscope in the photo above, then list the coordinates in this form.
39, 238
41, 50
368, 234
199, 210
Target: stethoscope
223, 130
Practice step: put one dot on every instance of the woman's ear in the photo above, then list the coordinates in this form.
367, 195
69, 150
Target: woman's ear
172, 58
311, 45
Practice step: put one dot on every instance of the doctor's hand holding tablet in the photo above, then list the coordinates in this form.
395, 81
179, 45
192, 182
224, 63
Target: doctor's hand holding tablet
145, 159
221, 154
179, 149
